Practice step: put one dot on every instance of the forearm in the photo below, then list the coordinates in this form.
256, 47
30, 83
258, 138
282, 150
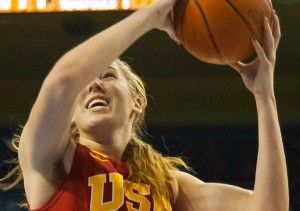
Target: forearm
86, 61
271, 184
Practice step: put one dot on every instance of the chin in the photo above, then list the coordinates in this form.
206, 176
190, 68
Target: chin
100, 121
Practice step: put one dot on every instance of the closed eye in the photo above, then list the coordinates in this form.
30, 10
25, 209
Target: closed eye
109, 75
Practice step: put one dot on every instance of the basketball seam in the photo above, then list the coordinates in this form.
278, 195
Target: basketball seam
208, 29
241, 16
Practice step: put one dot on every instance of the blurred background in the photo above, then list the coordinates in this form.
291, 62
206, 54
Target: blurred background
197, 110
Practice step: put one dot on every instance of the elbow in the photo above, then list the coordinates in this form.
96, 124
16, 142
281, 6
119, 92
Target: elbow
280, 203
275, 206
64, 81
279, 207
283, 205
60, 78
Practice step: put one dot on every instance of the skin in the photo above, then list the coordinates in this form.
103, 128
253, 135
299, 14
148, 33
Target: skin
109, 127
271, 186
46, 153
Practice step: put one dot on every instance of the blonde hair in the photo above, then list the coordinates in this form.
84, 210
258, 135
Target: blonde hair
16, 173
147, 165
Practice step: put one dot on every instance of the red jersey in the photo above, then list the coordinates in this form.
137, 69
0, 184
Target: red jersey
96, 183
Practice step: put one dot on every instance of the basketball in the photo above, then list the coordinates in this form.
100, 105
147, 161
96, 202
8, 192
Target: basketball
220, 31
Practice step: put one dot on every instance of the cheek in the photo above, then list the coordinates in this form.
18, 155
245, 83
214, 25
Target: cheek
78, 110
81, 96
76, 115
125, 101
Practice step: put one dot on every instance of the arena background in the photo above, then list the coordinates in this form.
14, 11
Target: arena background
200, 111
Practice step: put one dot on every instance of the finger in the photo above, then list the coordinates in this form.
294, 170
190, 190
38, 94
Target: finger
236, 66
272, 27
173, 35
239, 66
171, 30
276, 30
270, 3
261, 55
250, 63
269, 40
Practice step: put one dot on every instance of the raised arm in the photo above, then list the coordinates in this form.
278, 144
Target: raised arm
44, 138
271, 182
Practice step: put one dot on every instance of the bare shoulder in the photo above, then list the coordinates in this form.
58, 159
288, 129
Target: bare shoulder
184, 189
191, 193
183, 180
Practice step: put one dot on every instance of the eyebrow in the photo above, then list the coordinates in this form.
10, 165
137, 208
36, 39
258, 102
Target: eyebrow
114, 71
110, 69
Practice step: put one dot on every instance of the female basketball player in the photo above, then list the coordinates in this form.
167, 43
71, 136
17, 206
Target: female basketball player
101, 164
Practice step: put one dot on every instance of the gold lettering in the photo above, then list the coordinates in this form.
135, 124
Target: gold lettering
139, 197
134, 192
97, 183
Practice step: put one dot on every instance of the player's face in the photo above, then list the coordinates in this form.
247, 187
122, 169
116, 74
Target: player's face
105, 104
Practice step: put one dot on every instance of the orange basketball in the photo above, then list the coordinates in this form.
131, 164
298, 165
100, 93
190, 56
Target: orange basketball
220, 31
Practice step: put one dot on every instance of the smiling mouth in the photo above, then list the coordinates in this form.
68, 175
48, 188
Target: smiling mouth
97, 103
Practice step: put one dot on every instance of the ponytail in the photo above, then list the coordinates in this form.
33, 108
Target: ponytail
150, 167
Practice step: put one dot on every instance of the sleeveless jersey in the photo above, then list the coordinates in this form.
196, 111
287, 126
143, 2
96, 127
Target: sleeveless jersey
96, 183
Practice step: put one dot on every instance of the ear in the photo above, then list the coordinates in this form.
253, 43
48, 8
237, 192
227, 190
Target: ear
138, 105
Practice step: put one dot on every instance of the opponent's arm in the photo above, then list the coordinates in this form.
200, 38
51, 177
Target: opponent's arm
271, 183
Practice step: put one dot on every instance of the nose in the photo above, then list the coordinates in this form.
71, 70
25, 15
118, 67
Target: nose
95, 86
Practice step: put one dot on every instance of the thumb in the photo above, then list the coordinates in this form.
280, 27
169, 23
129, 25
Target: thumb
169, 28
236, 66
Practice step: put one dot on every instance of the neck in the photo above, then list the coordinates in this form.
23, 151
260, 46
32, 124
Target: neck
113, 145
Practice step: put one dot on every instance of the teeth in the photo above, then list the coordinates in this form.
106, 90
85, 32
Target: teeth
100, 102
